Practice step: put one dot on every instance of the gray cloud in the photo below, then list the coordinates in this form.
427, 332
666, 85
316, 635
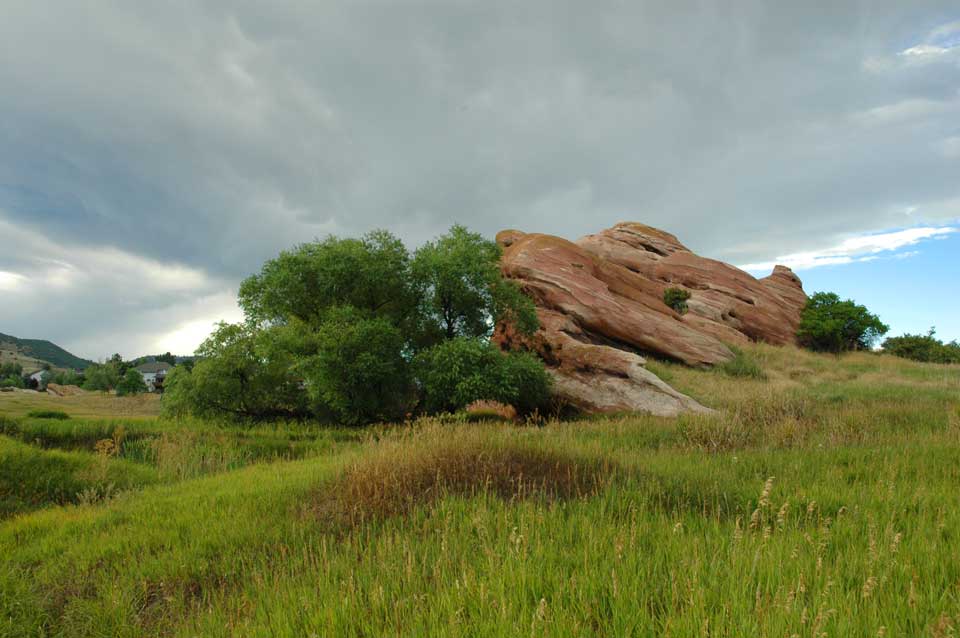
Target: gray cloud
211, 134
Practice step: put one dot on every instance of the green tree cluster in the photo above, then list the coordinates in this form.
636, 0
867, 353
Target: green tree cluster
131, 383
100, 378
829, 324
245, 371
356, 329
166, 357
66, 377
11, 375
923, 348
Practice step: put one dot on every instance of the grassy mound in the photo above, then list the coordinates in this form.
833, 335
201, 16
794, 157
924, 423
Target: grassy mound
435, 462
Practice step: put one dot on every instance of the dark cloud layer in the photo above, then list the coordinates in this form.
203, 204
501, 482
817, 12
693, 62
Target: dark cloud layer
205, 136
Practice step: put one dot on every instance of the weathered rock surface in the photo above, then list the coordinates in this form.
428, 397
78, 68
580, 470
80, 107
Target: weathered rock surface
600, 302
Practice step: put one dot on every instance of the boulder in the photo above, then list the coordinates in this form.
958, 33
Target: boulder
601, 309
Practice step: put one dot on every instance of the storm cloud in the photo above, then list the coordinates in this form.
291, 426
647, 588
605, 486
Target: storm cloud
154, 153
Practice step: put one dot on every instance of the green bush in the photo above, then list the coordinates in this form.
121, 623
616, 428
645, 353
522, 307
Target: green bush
244, 372
828, 324
358, 369
66, 378
11, 375
925, 348
742, 365
101, 377
131, 383
460, 371
676, 298
48, 414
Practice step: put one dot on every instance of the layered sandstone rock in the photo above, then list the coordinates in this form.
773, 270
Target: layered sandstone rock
600, 302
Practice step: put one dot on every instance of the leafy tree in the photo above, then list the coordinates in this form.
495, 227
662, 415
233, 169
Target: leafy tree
676, 298
11, 369
166, 358
68, 377
180, 395
12, 378
829, 324
457, 372
357, 368
923, 348
101, 377
242, 373
333, 326
11, 375
370, 274
131, 383
119, 365
465, 294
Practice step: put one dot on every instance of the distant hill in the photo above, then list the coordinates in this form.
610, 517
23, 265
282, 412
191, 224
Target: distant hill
43, 351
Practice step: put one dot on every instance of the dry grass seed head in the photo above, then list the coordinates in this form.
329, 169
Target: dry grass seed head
408, 471
490, 410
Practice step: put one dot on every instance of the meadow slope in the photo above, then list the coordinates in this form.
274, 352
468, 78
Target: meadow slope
821, 500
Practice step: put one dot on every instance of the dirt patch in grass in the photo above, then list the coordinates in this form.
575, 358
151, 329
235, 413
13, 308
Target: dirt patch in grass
417, 470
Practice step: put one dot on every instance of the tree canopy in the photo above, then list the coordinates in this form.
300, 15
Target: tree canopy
131, 383
829, 324
335, 327
371, 274
464, 294
923, 348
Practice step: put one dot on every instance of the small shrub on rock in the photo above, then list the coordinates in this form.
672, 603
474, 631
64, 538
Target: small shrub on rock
676, 298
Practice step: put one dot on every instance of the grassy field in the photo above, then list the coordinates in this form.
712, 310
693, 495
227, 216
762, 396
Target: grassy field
87, 404
822, 500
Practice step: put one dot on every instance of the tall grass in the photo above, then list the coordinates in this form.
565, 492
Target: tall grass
821, 500
31, 478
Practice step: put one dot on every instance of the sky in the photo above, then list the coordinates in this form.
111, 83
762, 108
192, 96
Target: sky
153, 154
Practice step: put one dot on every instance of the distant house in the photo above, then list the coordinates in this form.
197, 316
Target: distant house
154, 373
38, 380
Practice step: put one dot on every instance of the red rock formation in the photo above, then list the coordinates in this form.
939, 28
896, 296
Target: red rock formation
600, 302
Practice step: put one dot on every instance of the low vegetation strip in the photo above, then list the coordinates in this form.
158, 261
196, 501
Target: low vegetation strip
76, 434
31, 478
